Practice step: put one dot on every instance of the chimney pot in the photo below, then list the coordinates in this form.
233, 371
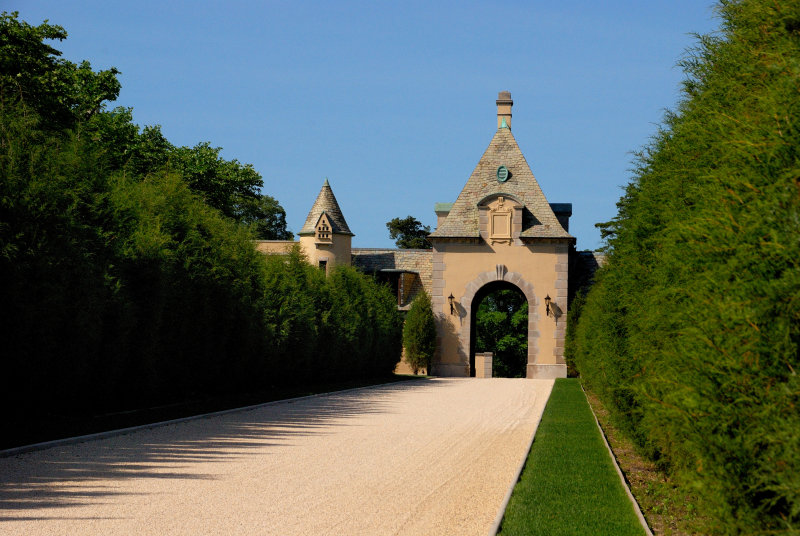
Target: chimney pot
504, 104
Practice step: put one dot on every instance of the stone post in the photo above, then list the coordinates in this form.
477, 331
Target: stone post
483, 365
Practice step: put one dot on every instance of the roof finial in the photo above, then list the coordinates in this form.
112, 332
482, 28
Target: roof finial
326, 182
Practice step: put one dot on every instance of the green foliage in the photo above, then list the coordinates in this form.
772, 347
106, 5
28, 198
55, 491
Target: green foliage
568, 470
57, 94
409, 233
570, 346
501, 327
364, 322
264, 216
128, 274
342, 326
691, 332
419, 333
33, 79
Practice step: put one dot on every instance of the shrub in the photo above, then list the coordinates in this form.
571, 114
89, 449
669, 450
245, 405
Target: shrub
419, 333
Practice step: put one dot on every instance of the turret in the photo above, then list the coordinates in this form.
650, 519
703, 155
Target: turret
325, 236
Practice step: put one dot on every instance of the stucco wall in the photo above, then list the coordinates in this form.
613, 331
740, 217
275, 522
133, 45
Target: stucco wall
461, 269
274, 247
336, 252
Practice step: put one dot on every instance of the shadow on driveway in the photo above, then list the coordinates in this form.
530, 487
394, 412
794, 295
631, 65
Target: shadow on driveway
84, 473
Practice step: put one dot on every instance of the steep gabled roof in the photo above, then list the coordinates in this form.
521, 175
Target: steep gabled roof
326, 203
538, 219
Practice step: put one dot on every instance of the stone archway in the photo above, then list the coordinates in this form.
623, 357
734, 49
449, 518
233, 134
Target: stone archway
503, 362
501, 218
467, 301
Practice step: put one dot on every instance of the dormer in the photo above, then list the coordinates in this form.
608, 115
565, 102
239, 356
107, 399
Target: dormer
323, 233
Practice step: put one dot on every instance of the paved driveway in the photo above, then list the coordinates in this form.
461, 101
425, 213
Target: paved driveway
421, 457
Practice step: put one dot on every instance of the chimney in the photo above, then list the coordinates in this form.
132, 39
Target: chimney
504, 104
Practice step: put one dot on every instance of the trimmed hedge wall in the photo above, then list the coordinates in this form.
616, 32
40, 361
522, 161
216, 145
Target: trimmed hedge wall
692, 330
128, 274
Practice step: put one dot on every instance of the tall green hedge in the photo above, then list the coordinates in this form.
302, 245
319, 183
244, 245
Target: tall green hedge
118, 291
123, 283
692, 330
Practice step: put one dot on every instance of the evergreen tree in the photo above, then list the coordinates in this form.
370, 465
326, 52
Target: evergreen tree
409, 233
419, 333
691, 333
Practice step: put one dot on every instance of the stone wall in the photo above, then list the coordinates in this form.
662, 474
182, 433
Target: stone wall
419, 261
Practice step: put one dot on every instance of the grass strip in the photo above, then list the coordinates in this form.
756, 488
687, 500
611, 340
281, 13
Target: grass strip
569, 484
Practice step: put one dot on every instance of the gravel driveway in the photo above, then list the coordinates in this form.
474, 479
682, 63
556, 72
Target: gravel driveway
418, 457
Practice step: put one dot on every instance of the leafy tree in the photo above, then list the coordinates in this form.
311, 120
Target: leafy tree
223, 184
64, 95
501, 327
409, 233
34, 79
419, 333
265, 217
232, 188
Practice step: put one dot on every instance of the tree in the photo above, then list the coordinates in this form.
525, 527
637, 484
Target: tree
419, 333
409, 233
36, 83
128, 274
33, 77
502, 328
265, 217
224, 184
232, 188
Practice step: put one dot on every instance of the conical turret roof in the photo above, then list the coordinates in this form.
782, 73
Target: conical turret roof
326, 203
538, 219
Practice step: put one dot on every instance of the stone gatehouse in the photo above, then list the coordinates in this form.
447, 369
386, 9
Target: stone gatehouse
500, 232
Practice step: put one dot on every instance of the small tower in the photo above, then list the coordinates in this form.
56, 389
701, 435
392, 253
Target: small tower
325, 236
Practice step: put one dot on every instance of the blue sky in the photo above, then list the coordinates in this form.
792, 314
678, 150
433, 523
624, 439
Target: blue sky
394, 102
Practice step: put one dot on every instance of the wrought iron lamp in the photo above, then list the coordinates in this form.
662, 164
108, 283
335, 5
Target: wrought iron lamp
452, 300
547, 305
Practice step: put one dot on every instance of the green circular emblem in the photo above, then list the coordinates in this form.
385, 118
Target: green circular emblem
502, 174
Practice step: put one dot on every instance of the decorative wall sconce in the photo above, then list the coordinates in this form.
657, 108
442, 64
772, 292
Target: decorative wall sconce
452, 300
547, 305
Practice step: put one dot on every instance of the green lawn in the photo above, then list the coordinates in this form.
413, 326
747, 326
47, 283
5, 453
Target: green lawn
569, 484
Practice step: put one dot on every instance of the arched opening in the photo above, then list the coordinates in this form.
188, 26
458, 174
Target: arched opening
499, 324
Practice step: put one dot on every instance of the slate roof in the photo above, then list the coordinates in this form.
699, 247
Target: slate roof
326, 202
538, 219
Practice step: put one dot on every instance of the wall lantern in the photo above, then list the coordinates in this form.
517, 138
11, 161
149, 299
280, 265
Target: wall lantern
547, 305
452, 300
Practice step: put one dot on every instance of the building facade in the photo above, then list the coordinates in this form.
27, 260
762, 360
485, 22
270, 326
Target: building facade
499, 233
